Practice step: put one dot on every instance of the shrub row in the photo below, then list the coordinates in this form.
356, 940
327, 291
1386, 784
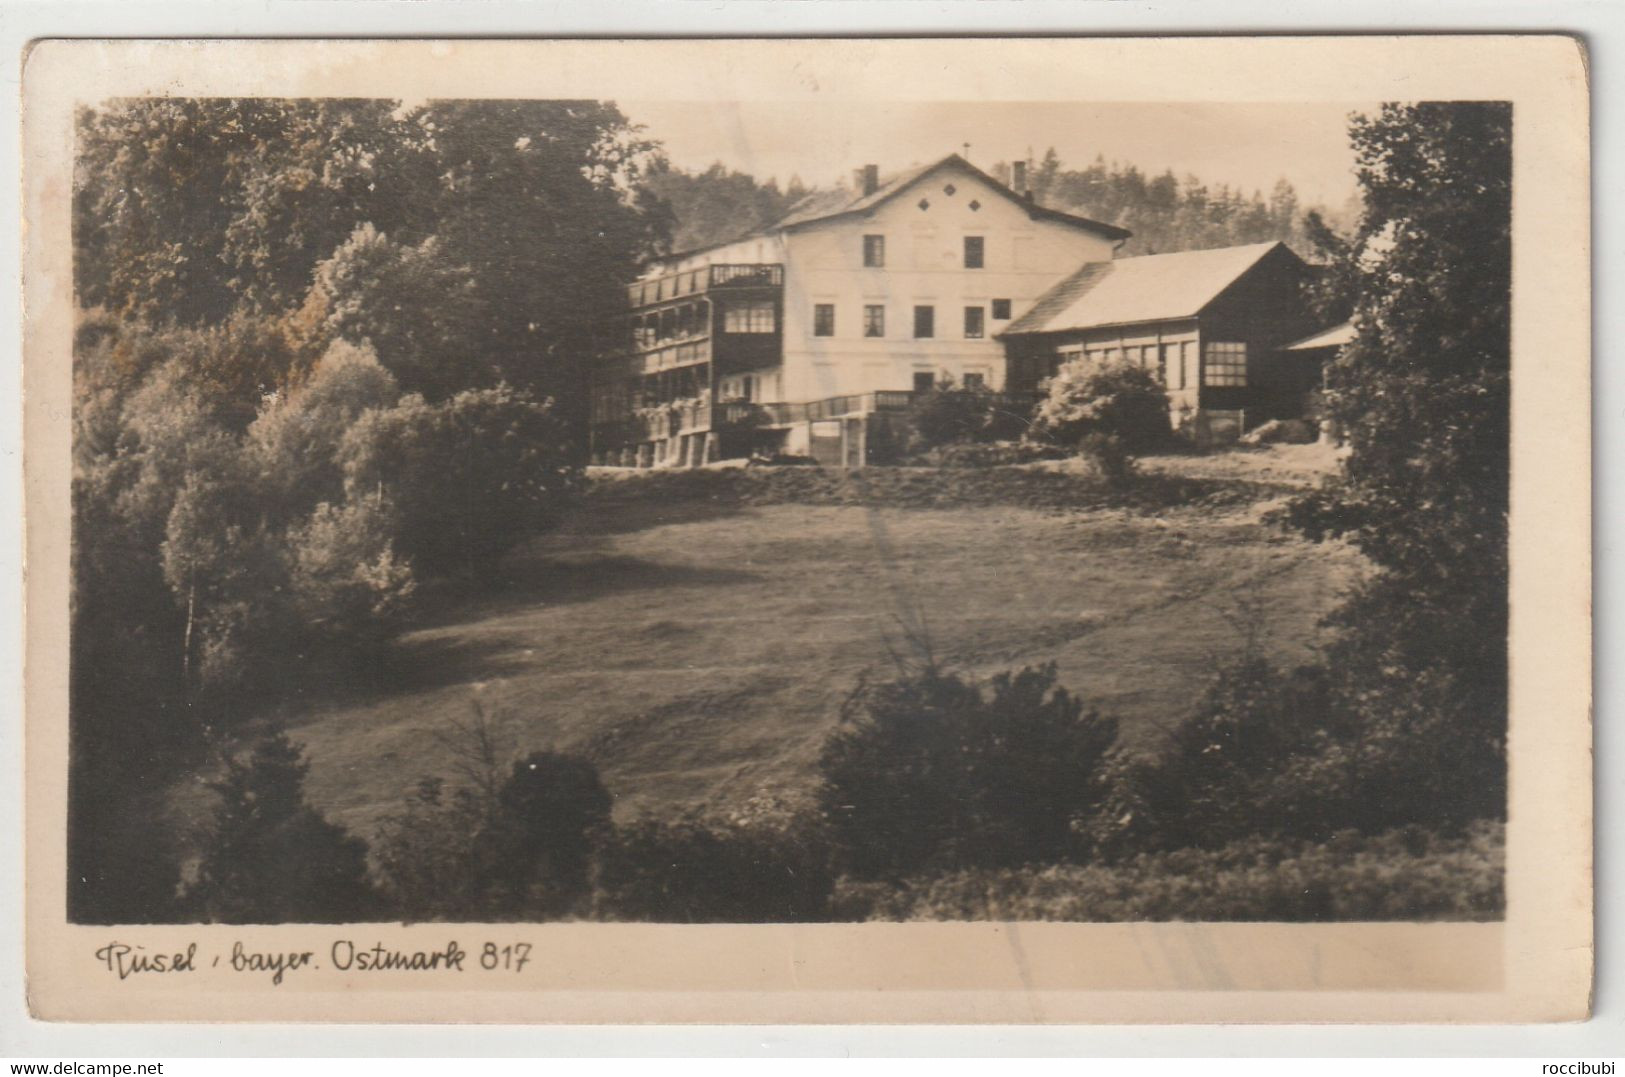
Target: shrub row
1409, 874
902, 487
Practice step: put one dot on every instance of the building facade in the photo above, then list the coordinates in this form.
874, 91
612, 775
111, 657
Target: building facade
799, 339
810, 338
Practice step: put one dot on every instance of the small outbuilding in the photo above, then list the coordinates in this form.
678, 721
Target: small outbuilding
1215, 324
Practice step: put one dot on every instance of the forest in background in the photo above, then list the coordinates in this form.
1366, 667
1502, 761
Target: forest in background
1166, 213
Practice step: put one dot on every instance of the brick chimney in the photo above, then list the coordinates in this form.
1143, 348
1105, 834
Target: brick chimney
1018, 177
871, 179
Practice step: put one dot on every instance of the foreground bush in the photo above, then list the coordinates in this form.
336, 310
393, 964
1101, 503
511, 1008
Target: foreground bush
931, 770
1115, 400
552, 812
271, 858
1410, 874
710, 871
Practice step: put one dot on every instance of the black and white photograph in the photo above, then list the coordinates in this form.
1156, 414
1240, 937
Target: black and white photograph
616, 509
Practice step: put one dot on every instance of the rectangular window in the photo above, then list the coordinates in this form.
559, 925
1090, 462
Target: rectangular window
824, 319
1224, 363
925, 322
750, 318
973, 323
1001, 310
974, 248
874, 320
975, 381
874, 251
1072, 355
1188, 365
924, 381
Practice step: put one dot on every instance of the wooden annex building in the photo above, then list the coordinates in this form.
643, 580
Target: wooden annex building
1215, 324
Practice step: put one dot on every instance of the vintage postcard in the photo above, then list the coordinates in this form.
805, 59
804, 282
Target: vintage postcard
1030, 530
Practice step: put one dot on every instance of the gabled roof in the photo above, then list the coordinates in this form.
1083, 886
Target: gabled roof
1148, 288
829, 205
1335, 337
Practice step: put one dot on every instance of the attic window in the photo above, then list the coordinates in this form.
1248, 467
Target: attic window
975, 205
925, 204
949, 190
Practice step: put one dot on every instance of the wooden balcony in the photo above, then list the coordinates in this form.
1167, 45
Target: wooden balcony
728, 276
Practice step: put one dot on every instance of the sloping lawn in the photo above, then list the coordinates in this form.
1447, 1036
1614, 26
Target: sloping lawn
699, 652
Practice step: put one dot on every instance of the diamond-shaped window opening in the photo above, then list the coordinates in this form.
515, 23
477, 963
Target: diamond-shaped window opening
925, 203
949, 190
975, 205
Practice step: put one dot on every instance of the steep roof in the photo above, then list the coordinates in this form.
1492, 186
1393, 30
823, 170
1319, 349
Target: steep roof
1148, 288
828, 205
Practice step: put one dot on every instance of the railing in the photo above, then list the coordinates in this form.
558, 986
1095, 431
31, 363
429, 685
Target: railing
656, 423
697, 281
747, 275
671, 355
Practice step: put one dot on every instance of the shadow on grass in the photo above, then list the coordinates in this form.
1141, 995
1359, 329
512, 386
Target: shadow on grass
550, 577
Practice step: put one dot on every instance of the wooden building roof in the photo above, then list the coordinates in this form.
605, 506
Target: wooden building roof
1148, 288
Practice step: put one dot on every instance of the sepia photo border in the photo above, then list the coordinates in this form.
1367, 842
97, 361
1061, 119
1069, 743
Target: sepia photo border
1534, 966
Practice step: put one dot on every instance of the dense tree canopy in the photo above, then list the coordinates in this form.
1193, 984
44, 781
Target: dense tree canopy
193, 211
1424, 395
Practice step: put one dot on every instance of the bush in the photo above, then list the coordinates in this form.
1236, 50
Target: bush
426, 855
984, 455
467, 478
345, 583
1410, 874
1304, 754
949, 416
1112, 399
273, 859
709, 871
551, 813
295, 440
1249, 760
930, 771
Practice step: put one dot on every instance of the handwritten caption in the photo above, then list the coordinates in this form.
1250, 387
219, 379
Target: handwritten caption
126, 960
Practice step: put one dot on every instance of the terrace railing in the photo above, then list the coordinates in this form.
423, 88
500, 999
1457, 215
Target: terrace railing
698, 281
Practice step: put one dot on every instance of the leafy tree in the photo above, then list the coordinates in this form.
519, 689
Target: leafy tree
345, 584
416, 310
1424, 395
271, 857
467, 478
286, 180
542, 199
294, 443
545, 199
931, 771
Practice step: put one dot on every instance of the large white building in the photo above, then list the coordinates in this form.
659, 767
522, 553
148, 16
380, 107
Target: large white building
794, 339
